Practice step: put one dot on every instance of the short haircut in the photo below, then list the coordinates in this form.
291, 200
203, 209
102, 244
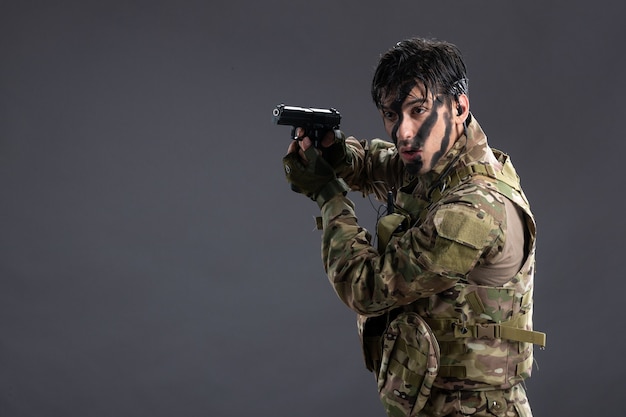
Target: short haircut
438, 65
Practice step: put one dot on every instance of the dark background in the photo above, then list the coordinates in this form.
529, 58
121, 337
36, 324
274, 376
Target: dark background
153, 261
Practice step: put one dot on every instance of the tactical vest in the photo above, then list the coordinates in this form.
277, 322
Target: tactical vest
484, 333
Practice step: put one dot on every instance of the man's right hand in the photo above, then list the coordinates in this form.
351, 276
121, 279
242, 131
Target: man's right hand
309, 173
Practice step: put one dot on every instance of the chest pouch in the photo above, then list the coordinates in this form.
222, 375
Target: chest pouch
394, 224
409, 365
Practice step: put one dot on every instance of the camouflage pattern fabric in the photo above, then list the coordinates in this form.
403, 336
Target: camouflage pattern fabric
511, 402
455, 223
409, 365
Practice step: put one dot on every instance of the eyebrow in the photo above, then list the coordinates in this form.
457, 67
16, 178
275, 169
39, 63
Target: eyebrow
409, 101
415, 100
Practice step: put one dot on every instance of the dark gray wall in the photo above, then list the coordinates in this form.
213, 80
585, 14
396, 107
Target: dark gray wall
153, 261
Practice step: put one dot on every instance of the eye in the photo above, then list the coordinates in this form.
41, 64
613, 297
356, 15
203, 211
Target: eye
390, 116
418, 110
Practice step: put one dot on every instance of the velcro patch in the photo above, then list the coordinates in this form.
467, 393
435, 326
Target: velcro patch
464, 224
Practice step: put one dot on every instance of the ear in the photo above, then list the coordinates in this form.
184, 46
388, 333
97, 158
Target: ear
462, 108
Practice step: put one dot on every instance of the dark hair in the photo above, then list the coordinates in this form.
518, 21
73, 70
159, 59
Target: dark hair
438, 65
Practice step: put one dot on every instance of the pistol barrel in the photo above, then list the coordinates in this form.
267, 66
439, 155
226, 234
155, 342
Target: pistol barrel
306, 117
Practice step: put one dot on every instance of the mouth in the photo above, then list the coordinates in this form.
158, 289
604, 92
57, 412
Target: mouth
410, 153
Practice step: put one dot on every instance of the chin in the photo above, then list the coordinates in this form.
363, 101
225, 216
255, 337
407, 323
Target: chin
413, 167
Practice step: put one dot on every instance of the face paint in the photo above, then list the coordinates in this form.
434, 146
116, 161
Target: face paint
403, 92
415, 166
445, 141
426, 128
422, 129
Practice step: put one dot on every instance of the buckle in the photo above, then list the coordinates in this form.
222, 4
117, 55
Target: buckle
487, 331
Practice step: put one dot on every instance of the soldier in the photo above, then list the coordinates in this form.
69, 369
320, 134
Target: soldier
444, 300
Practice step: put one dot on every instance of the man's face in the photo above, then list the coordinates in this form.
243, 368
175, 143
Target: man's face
422, 127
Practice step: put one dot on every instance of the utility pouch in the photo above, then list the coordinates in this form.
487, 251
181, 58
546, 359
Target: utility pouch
371, 334
409, 365
388, 226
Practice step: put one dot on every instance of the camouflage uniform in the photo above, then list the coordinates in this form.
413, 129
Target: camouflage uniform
417, 285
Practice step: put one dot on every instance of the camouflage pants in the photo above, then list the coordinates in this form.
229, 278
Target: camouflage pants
501, 403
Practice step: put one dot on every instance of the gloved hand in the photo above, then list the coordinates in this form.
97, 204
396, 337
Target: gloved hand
334, 150
313, 177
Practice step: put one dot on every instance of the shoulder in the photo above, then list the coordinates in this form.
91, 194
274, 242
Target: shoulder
479, 196
472, 214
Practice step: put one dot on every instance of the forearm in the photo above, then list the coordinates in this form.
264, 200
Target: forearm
373, 167
367, 282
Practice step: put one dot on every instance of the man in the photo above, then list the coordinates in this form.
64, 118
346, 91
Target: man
445, 300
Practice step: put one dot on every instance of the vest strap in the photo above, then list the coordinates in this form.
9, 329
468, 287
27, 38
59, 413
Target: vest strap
452, 371
500, 331
486, 331
475, 302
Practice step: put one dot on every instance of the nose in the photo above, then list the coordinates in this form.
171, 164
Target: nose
406, 129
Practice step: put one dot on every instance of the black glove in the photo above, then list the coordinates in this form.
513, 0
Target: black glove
316, 179
337, 154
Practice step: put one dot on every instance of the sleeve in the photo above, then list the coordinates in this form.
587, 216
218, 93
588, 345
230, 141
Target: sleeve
424, 261
374, 167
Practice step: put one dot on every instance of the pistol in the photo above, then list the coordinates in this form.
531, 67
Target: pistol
315, 122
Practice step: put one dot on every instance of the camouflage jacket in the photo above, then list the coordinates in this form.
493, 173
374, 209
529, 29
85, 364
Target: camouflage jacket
455, 219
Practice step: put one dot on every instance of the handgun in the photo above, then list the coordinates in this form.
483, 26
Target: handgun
315, 122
